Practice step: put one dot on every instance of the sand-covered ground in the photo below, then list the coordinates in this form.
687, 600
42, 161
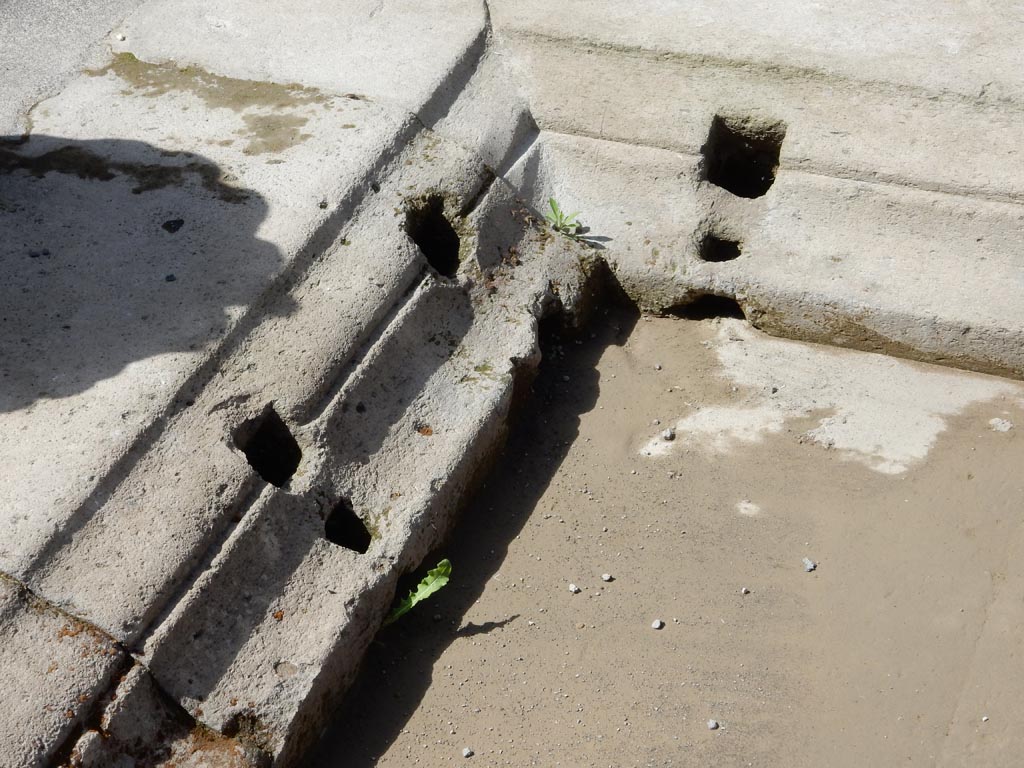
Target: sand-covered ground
902, 482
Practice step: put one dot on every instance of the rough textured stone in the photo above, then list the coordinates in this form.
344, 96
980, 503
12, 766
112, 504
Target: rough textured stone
404, 54
139, 725
46, 44
405, 436
53, 667
265, 262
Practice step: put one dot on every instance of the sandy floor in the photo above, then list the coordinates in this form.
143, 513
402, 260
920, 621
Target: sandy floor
903, 647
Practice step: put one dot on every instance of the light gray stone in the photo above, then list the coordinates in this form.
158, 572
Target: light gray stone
139, 725
53, 667
217, 220
46, 44
403, 54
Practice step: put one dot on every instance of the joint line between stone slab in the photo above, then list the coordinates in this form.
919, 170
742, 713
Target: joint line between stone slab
61, 752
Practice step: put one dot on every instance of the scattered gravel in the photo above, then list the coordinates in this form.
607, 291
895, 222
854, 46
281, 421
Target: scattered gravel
809, 565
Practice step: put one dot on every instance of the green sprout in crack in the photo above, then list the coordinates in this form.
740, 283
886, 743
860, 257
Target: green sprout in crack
434, 580
564, 224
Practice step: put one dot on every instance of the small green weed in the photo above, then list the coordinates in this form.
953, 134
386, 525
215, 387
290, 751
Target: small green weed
434, 580
564, 224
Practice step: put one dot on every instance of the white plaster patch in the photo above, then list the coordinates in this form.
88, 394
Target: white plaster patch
748, 508
1000, 425
722, 428
883, 412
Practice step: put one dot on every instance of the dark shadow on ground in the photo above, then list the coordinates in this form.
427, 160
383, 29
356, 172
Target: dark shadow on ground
596, 242
398, 668
472, 630
112, 252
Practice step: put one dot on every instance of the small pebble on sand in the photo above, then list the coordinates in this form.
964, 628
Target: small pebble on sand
467, 752
744, 591
809, 565
984, 718
669, 434
657, 366
657, 624
606, 577
713, 725
574, 589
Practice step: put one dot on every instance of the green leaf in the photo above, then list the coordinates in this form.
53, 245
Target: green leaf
434, 580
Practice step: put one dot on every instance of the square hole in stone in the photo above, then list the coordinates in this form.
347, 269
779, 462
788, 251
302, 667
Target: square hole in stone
269, 447
708, 306
742, 155
344, 528
716, 249
435, 236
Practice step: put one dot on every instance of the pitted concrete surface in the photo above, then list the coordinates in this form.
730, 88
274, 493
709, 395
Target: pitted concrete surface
268, 264
46, 44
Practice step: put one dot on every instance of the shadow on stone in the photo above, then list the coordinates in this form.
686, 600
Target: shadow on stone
114, 252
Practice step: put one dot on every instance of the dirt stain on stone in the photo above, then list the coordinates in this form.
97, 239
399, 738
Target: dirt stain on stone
266, 128
272, 133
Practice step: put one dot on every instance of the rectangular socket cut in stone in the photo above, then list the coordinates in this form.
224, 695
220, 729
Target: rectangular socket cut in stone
741, 155
346, 529
269, 447
718, 249
429, 227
